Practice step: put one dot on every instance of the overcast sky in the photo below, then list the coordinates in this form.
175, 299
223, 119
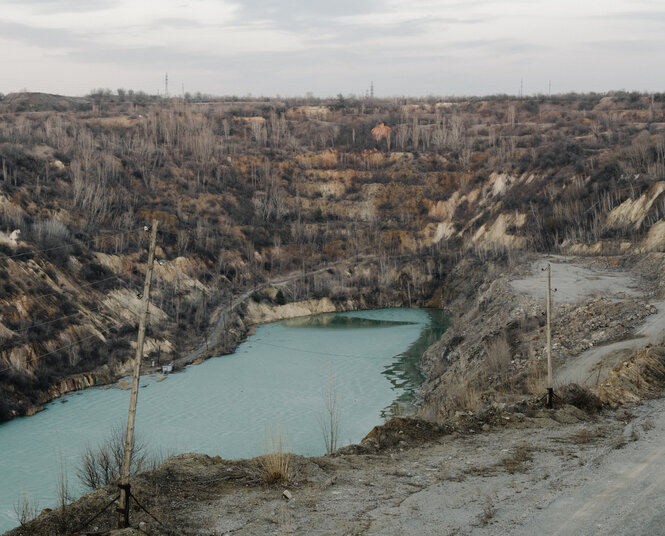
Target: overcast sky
291, 47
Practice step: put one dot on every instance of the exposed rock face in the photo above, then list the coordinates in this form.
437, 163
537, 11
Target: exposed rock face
261, 313
381, 132
102, 376
10, 238
635, 378
633, 212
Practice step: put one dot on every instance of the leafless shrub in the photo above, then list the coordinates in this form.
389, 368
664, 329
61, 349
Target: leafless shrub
51, 230
100, 466
488, 511
461, 395
580, 397
330, 421
54, 238
25, 510
11, 216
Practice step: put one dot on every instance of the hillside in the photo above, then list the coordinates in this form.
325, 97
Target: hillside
308, 196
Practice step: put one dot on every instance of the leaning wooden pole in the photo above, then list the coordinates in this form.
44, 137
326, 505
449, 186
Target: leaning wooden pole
550, 388
123, 506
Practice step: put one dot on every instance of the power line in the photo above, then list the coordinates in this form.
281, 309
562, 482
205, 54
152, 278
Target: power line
73, 244
33, 326
59, 292
189, 232
94, 335
313, 351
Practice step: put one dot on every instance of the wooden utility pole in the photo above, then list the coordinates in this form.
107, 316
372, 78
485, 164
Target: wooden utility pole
123, 506
550, 389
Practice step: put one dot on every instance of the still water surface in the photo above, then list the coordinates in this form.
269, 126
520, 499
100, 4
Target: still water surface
230, 406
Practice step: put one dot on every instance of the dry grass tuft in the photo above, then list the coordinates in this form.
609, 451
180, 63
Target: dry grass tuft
535, 374
584, 436
648, 424
276, 467
515, 462
498, 354
461, 395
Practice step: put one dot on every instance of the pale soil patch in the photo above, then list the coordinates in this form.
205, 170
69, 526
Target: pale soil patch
261, 313
574, 282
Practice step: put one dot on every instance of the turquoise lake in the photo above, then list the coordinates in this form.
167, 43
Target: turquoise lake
230, 406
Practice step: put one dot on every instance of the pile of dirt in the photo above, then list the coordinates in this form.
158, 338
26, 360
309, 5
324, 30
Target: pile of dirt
42, 102
399, 432
580, 397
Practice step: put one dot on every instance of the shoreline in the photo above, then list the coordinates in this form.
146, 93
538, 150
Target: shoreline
230, 324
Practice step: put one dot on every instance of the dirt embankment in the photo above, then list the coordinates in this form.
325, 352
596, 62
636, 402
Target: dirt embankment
603, 310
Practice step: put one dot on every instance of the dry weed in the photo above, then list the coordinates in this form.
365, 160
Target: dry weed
535, 374
25, 510
584, 436
515, 461
461, 395
498, 354
276, 466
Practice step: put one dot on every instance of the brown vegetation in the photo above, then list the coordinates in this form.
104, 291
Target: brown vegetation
251, 190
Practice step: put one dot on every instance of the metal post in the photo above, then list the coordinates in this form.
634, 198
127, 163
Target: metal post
123, 503
550, 390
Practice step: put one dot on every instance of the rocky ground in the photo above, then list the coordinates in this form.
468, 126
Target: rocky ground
507, 468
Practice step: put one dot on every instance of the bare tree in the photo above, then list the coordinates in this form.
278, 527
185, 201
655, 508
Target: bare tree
330, 421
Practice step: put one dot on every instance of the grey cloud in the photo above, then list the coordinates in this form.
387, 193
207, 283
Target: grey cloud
64, 6
305, 14
625, 47
44, 37
647, 16
290, 9
171, 22
499, 47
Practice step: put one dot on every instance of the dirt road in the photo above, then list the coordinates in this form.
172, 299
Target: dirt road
574, 283
622, 492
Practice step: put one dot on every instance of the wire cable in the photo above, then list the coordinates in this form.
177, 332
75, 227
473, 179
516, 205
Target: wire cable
313, 351
67, 347
33, 326
73, 244
57, 292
